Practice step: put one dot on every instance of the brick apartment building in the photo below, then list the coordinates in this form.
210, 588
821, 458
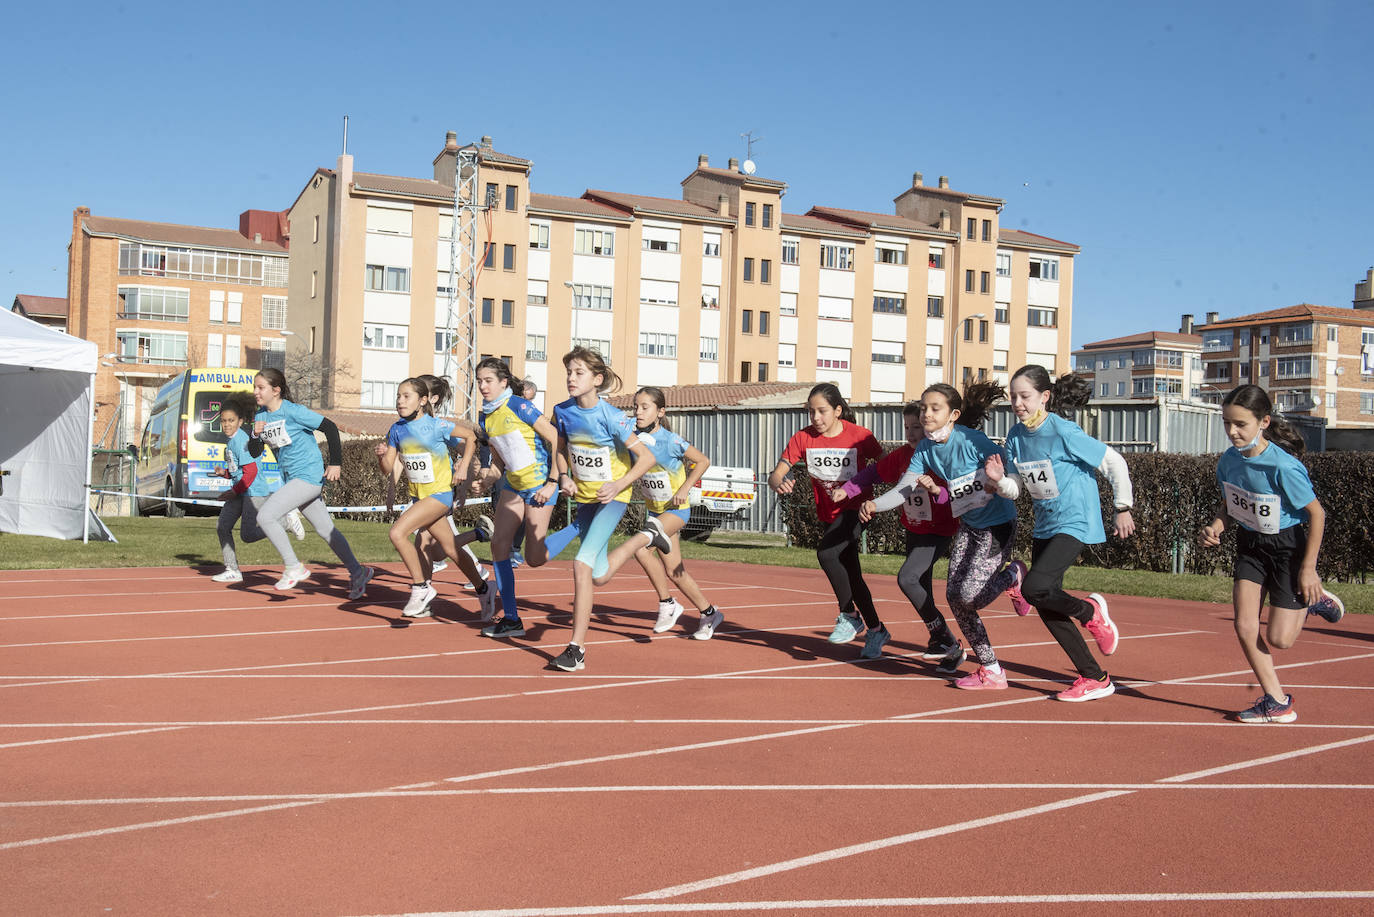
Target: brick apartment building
46, 310
1143, 365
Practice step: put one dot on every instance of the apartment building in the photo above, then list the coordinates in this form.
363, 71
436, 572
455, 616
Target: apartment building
719, 285
1144, 365
157, 297
1313, 360
46, 310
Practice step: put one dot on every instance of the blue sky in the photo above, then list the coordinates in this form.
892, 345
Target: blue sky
1206, 156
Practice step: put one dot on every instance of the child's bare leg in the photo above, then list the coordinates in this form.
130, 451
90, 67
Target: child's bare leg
450, 543
1246, 598
582, 601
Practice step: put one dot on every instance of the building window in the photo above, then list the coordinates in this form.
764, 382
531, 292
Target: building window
654, 344
539, 236
763, 324
492, 195
787, 304
933, 355
384, 279
1367, 402
835, 307
710, 297
508, 312
747, 321
968, 329
445, 341
889, 352
767, 224
1217, 341
935, 306
710, 348
1331, 334
1042, 318
889, 302
999, 361
837, 257
384, 337
154, 304
832, 358
748, 213
748, 269
1293, 368
274, 313
936, 258
508, 257
594, 242
983, 331
602, 347
787, 355
140, 259
1044, 268
537, 293
744, 371
591, 296
763, 368
1004, 264
1295, 334
710, 244
536, 347
166, 347
789, 251
1002, 314
889, 253
658, 292
272, 354
488, 310
489, 255
317, 228
388, 220
987, 230
661, 245
968, 281
765, 270
984, 282
1121, 388
314, 283
377, 394
972, 229
510, 197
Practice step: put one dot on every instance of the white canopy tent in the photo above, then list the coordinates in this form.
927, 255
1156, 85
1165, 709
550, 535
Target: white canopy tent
47, 401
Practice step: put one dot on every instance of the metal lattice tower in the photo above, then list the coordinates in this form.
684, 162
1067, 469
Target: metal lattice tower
460, 356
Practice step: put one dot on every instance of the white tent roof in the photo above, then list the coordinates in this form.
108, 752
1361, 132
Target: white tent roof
25, 344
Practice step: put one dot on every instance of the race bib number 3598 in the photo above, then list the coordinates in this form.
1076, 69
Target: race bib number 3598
832, 464
968, 492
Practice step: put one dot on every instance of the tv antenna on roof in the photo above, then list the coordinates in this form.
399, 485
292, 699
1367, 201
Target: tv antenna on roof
749, 141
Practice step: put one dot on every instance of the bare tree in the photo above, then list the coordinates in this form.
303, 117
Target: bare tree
315, 383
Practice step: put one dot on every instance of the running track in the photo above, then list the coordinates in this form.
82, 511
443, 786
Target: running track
169, 746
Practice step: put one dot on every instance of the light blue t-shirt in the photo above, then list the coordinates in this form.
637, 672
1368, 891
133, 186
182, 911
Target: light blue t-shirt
669, 472
236, 456
959, 461
1057, 462
422, 445
1266, 493
290, 431
598, 439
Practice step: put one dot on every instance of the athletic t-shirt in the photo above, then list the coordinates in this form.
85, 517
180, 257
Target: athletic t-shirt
422, 446
922, 512
290, 431
598, 441
1058, 462
237, 457
959, 462
510, 433
669, 472
832, 460
1266, 493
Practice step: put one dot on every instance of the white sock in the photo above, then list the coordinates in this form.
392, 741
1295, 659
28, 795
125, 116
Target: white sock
994, 669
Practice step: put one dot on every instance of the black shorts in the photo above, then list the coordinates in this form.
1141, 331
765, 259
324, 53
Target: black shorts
1273, 561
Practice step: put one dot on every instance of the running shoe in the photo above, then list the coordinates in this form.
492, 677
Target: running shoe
1329, 608
1087, 689
487, 603
658, 539
420, 597
517, 560
1018, 601
228, 576
668, 613
953, 659
1268, 710
940, 647
504, 628
439, 566
484, 527
357, 583
847, 627
292, 577
571, 659
875, 641
1101, 626
295, 525
982, 680
711, 620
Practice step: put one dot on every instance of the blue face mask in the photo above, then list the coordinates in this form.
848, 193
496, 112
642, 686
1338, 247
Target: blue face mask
1253, 443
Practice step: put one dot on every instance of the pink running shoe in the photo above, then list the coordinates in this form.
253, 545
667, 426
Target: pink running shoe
1018, 601
982, 680
1087, 689
1101, 626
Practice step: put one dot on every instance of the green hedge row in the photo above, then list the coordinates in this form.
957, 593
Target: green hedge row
1175, 495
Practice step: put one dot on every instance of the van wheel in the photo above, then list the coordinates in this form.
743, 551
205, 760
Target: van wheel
174, 510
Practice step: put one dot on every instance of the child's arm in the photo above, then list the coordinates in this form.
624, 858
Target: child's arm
778, 481
699, 463
1008, 483
1308, 580
1211, 533
549, 434
1114, 469
644, 460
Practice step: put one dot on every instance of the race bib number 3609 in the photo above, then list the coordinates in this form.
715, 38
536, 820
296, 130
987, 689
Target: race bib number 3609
1257, 512
832, 464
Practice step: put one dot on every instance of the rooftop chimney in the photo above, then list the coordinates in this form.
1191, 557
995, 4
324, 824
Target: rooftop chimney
451, 140
944, 218
486, 141
734, 164
1212, 317
703, 161
917, 179
944, 181
1186, 326
723, 205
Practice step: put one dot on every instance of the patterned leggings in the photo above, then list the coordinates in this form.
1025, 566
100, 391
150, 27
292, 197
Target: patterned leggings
977, 576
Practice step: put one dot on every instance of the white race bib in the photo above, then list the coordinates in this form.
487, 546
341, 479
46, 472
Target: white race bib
275, 435
832, 464
590, 463
656, 486
419, 467
1039, 479
514, 450
969, 491
916, 508
1258, 512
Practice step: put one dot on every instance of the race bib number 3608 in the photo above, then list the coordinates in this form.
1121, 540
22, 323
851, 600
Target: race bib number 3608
832, 464
1257, 512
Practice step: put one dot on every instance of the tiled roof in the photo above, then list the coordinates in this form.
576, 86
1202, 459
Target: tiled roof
1303, 310
659, 205
950, 192
487, 153
1148, 337
723, 394
362, 423
819, 225
875, 220
176, 234
1031, 240
426, 188
46, 306
552, 203
739, 177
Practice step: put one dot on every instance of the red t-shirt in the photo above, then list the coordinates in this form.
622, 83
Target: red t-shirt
927, 514
832, 460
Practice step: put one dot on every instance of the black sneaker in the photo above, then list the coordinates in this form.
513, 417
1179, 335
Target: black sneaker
658, 539
950, 664
504, 628
940, 648
1329, 608
571, 659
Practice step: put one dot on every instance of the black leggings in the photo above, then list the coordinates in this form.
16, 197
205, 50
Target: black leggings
839, 558
1062, 613
915, 577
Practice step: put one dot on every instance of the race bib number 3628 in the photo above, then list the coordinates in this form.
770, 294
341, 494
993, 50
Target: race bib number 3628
590, 463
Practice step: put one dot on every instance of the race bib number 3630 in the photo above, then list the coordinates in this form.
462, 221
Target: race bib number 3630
1257, 512
832, 464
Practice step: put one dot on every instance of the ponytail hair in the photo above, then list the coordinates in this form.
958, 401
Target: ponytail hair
1068, 393
1256, 400
277, 379
440, 389
655, 394
593, 360
973, 405
831, 393
420, 388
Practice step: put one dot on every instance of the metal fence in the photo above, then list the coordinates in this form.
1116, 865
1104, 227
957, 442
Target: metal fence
754, 437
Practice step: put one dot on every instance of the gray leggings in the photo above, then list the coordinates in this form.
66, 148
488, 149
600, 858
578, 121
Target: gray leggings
302, 495
235, 507
977, 576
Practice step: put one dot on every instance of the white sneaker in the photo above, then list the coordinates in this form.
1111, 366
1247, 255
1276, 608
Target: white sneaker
292, 577
709, 622
228, 576
667, 615
420, 597
357, 584
295, 525
439, 566
488, 602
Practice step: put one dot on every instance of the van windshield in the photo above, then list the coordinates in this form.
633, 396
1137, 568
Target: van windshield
204, 418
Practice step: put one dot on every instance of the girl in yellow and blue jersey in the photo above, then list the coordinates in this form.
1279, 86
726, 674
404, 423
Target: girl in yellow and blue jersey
521, 442
599, 459
666, 487
421, 442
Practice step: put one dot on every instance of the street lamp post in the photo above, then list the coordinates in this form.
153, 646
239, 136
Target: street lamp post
572, 303
954, 350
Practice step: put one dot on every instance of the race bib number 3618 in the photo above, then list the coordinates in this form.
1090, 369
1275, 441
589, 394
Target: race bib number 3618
1257, 512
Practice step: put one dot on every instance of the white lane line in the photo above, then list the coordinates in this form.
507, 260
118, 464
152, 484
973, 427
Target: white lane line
827, 856
82, 738
1271, 759
162, 823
